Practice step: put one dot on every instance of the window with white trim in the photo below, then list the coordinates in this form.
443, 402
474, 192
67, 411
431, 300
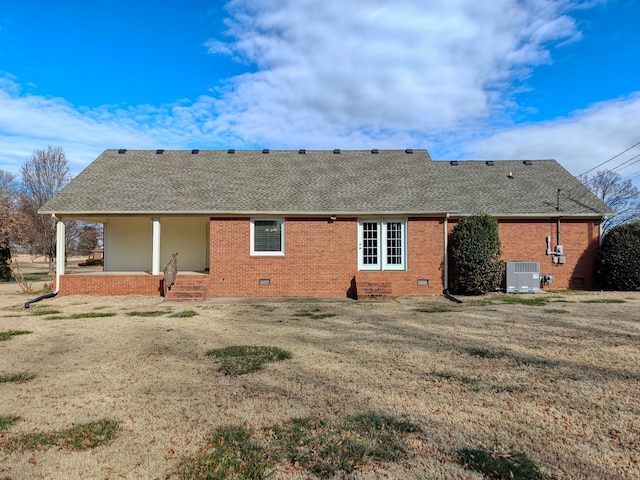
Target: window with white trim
382, 244
267, 236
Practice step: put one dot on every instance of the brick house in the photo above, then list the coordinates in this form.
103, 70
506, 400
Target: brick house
317, 223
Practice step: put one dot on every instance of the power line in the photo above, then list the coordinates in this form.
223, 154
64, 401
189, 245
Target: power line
623, 165
633, 175
612, 158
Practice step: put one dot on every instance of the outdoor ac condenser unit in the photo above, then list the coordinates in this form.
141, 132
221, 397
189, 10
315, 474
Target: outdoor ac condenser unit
523, 277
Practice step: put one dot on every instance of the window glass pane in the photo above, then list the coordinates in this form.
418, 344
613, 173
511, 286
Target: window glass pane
394, 243
267, 236
370, 243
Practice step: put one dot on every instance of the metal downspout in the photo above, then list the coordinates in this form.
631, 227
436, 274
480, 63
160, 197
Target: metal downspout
446, 261
60, 239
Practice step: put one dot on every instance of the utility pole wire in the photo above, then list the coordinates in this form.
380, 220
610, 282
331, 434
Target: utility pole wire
612, 158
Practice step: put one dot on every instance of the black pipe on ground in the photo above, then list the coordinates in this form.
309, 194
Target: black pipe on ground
451, 297
41, 297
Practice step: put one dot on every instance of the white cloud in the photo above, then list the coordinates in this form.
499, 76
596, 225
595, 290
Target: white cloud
28, 122
402, 68
579, 141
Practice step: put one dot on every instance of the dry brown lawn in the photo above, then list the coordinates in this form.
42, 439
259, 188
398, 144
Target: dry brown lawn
560, 382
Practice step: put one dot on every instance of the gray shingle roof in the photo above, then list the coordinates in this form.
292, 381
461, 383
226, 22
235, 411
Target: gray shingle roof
318, 182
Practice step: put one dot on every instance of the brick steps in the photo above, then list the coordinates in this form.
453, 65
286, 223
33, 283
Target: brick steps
374, 291
188, 288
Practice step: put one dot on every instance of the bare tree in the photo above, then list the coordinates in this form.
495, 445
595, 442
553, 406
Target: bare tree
43, 175
8, 220
7, 202
620, 195
83, 239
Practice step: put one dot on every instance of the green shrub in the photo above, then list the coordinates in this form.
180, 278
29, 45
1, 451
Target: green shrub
618, 261
475, 251
91, 262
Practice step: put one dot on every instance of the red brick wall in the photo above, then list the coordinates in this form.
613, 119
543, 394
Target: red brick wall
320, 260
527, 242
108, 284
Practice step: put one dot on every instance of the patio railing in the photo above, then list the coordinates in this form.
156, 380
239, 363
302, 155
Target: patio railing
170, 273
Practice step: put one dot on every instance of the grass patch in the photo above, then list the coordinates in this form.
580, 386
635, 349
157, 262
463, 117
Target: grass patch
325, 448
501, 466
6, 335
37, 277
16, 377
555, 310
471, 382
507, 388
485, 353
519, 300
512, 299
6, 421
184, 314
605, 300
44, 311
79, 437
536, 362
92, 315
149, 313
231, 453
338, 447
315, 314
241, 359
433, 309
264, 308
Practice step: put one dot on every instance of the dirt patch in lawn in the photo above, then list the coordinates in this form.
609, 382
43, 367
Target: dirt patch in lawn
559, 382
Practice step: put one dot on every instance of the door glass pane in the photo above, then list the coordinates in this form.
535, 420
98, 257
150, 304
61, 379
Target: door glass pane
394, 243
370, 243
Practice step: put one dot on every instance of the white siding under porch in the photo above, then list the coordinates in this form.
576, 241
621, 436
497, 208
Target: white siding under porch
128, 243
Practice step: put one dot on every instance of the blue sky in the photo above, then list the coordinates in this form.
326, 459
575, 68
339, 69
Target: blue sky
509, 79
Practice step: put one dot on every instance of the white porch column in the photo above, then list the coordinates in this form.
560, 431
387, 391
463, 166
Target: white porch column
155, 257
60, 249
